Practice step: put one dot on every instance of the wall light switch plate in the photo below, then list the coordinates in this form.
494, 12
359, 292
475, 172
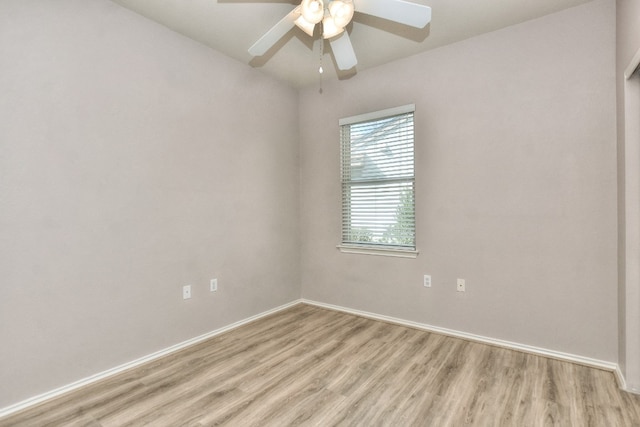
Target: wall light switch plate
186, 292
461, 287
213, 285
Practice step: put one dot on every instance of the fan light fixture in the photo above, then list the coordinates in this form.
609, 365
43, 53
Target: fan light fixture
312, 10
341, 11
329, 27
302, 23
334, 18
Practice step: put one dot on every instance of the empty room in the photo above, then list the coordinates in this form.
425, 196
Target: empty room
319, 213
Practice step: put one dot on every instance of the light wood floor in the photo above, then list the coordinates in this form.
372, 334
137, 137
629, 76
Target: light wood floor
310, 366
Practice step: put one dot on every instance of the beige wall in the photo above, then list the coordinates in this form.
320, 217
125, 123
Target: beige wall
516, 186
628, 106
132, 161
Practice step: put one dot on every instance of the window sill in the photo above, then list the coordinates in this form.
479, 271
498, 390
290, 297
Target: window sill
381, 251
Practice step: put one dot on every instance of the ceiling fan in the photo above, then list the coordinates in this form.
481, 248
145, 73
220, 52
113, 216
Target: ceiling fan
334, 16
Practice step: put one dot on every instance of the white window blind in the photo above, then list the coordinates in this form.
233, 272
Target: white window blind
378, 182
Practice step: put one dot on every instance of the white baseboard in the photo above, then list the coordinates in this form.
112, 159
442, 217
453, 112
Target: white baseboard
567, 357
622, 383
595, 363
118, 369
600, 364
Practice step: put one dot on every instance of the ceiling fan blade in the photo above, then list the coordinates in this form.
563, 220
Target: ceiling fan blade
343, 51
272, 36
403, 12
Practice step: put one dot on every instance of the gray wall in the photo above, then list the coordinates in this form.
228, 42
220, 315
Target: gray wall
628, 43
132, 161
516, 186
628, 30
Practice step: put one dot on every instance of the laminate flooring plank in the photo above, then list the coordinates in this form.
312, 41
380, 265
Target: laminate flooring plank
204, 373
389, 385
307, 408
264, 374
286, 381
486, 389
630, 408
525, 391
181, 411
74, 409
511, 402
308, 366
293, 399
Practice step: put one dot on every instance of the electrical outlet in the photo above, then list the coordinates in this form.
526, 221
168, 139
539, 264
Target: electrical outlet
461, 285
427, 281
213, 285
186, 292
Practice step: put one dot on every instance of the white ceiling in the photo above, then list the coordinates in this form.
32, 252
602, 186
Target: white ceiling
232, 26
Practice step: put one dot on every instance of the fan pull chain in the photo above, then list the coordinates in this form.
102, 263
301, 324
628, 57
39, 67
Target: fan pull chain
320, 70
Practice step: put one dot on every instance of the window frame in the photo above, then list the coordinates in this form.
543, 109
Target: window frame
378, 249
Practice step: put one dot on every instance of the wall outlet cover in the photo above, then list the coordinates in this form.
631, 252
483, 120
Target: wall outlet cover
427, 281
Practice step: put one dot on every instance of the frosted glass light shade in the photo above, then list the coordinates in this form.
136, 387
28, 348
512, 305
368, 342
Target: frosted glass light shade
303, 24
312, 10
329, 28
341, 11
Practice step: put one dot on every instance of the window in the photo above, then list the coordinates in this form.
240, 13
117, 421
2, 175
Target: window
378, 183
